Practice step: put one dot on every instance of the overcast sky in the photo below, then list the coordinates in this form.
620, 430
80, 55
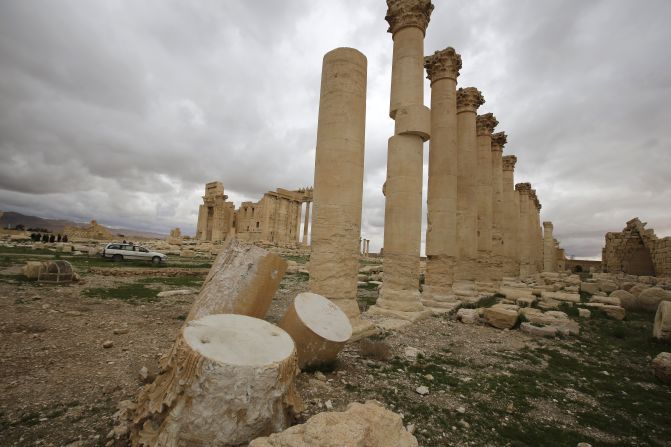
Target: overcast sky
122, 110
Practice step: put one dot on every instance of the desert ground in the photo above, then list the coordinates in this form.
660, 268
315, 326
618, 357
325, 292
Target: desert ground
70, 353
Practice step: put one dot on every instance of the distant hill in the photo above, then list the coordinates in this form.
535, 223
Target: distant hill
12, 219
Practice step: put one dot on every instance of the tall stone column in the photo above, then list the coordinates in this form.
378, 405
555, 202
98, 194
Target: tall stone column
524, 227
400, 295
485, 125
533, 233
511, 215
549, 255
498, 141
469, 99
306, 223
338, 182
441, 232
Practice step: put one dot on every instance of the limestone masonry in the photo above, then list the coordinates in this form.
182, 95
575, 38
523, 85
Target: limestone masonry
637, 251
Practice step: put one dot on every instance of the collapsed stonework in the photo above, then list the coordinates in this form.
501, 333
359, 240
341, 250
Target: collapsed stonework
637, 251
91, 231
276, 218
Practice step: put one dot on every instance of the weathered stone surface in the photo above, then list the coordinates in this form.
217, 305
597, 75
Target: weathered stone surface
650, 298
539, 331
501, 317
615, 312
662, 326
32, 269
467, 316
661, 367
612, 300
607, 286
584, 313
561, 296
627, 299
638, 288
589, 287
361, 425
551, 318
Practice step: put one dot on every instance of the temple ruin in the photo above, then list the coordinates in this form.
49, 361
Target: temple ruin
636, 250
91, 231
275, 219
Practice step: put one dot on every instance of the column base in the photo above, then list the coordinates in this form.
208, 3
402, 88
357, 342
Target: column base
399, 300
399, 314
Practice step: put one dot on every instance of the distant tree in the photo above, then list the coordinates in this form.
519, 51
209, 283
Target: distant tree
58, 239
32, 236
52, 238
20, 227
65, 238
45, 237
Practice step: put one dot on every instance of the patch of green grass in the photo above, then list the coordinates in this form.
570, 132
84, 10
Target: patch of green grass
133, 293
17, 279
26, 251
368, 286
180, 281
302, 259
300, 276
568, 309
370, 261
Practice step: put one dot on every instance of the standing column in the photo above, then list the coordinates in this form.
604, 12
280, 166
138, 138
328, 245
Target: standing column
498, 141
469, 99
441, 231
361, 245
306, 223
524, 236
533, 233
549, 255
367, 246
485, 125
400, 295
338, 185
298, 207
511, 214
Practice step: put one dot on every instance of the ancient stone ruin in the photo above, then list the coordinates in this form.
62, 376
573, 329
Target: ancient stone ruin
636, 250
276, 218
91, 231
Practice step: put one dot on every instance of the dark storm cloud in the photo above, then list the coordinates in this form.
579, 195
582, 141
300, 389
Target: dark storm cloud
121, 111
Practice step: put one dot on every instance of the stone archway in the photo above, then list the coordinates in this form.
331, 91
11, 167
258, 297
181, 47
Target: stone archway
638, 260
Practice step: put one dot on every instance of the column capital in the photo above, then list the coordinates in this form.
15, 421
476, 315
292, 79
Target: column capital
509, 162
499, 139
523, 188
404, 13
548, 224
485, 124
443, 64
469, 99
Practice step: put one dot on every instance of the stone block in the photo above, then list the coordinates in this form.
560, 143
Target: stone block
612, 300
627, 299
662, 327
539, 331
649, 299
661, 367
501, 317
414, 120
607, 286
467, 316
561, 296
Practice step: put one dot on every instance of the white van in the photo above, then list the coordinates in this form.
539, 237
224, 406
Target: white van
119, 252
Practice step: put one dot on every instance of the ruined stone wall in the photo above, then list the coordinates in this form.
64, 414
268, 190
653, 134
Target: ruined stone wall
637, 251
91, 231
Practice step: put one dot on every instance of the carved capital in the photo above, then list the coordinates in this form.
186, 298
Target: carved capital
509, 162
469, 99
403, 13
548, 225
443, 64
499, 139
523, 188
485, 124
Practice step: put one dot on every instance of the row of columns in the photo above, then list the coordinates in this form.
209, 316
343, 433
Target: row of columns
365, 246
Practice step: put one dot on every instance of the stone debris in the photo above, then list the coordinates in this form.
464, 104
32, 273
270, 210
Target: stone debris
422, 390
650, 298
662, 327
108, 344
468, 316
169, 293
368, 424
411, 353
661, 367
501, 317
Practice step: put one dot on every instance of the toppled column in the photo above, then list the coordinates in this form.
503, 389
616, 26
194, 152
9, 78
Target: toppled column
242, 280
400, 295
338, 184
499, 140
524, 235
441, 232
549, 255
485, 125
228, 379
319, 329
469, 99
511, 214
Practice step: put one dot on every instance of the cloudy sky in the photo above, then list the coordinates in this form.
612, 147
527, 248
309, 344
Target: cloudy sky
122, 110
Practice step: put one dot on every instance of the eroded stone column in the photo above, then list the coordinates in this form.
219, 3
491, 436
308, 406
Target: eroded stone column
441, 232
400, 295
469, 99
485, 125
338, 184
498, 141
306, 223
549, 255
524, 227
536, 234
511, 214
